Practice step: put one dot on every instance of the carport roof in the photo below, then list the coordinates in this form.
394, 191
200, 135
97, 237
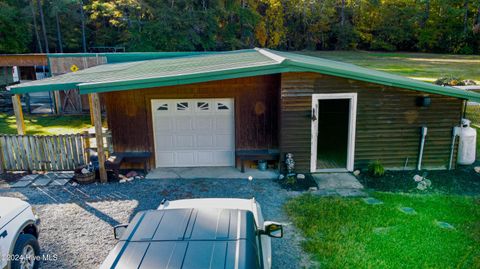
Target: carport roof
186, 68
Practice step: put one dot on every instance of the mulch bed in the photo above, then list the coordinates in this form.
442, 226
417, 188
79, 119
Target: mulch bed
298, 184
462, 181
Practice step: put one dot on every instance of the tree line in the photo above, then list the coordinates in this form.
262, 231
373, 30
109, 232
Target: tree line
443, 26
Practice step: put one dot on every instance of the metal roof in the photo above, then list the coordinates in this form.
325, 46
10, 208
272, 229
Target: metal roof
166, 69
187, 238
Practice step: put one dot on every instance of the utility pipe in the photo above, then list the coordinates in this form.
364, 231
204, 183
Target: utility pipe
422, 145
455, 132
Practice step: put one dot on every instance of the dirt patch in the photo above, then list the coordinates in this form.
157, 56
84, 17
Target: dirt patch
11, 177
463, 181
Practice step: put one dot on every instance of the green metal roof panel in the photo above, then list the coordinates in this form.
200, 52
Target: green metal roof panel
351, 71
159, 69
184, 68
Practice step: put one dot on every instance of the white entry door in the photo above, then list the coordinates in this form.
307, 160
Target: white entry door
193, 132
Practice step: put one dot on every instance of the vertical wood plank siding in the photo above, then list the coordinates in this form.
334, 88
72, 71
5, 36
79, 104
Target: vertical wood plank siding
256, 111
388, 121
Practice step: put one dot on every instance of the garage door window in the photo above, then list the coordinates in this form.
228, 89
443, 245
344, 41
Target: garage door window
222, 106
182, 106
163, 107
202, 105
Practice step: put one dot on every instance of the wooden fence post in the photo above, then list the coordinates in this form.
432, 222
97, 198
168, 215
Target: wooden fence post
17, 108
97, 116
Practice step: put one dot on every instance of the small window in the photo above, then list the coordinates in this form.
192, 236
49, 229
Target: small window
163, 107
222, 106
202, 105
182, 106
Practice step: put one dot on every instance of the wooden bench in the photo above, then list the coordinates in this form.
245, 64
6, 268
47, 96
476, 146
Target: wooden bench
256, 155
116, 159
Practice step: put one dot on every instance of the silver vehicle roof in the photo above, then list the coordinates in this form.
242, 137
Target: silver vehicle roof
188, 238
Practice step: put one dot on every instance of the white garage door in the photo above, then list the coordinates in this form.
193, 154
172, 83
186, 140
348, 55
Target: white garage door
193, 132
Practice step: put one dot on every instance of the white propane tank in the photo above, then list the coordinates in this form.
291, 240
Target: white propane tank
467, 143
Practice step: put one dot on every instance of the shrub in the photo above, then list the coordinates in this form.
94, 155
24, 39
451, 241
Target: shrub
376, 169
453, 81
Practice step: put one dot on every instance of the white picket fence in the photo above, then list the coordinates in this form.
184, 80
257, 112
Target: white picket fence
47, 153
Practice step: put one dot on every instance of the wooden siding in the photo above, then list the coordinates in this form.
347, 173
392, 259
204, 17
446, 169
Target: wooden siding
62, 65
388, 121
23, 59
256, 111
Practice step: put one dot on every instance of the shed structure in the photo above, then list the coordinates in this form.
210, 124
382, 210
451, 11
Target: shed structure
199, 109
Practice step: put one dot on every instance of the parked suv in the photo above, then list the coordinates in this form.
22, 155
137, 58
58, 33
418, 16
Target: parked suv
19, 247
196, 233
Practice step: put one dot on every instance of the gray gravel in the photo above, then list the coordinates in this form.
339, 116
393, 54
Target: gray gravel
77, 221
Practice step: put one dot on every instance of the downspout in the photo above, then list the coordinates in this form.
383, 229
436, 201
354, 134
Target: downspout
422, 145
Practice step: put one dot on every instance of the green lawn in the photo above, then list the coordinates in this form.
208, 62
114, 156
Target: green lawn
422, 66
46, 125
348, 233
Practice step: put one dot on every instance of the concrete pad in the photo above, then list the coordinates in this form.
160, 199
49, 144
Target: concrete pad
209, 173
41, 181
336, 181
21, 184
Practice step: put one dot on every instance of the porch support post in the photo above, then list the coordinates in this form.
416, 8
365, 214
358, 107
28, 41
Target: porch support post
58, 102
90, 108
17, 109
97, 119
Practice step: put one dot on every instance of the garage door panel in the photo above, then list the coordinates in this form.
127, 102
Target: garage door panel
224, 157
184, 141
165, 141
223, 124
183, 123
223, 142
166, 158
185, 158
205, 141
204, 122
164, 124
205, 158
194, 132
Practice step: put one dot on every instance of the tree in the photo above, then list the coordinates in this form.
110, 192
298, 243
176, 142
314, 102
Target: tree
35, 27
15, 34
44, 30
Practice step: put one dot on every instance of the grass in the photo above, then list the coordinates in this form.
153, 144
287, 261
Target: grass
45, 124
348, 233
421, 66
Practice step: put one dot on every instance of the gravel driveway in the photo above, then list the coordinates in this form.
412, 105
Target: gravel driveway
77, 221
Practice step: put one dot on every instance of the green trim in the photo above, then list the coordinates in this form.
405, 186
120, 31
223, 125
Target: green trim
43, 88
183, 79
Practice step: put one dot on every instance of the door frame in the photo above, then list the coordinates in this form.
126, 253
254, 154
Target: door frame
352, 97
